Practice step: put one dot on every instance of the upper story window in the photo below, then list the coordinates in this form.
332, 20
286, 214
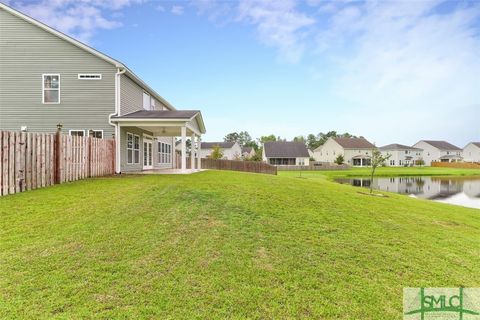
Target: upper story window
51, 88
90, 76
77, 133
147, 104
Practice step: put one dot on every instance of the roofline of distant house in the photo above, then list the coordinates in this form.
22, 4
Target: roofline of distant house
89, 49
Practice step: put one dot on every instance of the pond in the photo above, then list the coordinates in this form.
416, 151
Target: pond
462, 191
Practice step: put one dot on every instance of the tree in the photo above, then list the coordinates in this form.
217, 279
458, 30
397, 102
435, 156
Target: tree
264, 139
257, 156
216, 153
339, 159
232, 137
312, 142
377, 160
299, 139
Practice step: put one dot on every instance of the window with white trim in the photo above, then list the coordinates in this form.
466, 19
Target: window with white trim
51, 88
133, 148
164, 152
77, 133
96, 134
147, 105
90, 76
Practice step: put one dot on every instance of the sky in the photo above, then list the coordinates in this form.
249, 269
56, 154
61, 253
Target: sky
391, 71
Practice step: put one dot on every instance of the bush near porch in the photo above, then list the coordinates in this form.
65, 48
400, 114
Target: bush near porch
223, 244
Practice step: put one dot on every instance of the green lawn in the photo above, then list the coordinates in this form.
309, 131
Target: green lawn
226, 245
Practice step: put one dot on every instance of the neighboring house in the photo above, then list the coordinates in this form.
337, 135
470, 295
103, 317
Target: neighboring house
48, 78
248, 152
230, 150
310, 153
438, 151
401, 155
285, 153
355, 151
471, 152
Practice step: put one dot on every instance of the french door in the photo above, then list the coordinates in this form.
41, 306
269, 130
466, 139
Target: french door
147, 153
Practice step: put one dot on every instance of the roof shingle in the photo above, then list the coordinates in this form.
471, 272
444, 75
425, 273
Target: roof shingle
442, 145
222, 145
354, 143
397, 146
283, 149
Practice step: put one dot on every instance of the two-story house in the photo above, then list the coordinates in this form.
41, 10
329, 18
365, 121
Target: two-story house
471, 152
48, 78
355, 151
401, 155
438, 151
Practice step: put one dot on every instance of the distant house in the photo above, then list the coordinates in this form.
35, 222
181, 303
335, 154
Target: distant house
280, 153
401, 155
471, 152
230, 150
355, 151
439, 151
248, 152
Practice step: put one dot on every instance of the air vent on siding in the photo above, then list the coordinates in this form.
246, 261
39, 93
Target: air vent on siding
90, 76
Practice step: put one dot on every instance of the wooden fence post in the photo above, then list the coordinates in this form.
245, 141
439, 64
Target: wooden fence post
89, 161
58, 155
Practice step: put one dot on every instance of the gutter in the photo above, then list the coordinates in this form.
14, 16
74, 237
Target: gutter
120, 71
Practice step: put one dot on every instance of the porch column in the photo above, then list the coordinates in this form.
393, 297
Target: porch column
184, 148
192, 152
117, 149
199, 159
361, 162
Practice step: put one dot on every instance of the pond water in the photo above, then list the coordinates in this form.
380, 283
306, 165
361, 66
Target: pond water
462, 191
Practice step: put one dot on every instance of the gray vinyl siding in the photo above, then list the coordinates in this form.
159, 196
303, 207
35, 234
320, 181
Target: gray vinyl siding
124, 166
131, 96
27, 52
156, 164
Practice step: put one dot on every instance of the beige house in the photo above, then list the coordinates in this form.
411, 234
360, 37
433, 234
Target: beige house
471, 152
439, 151
356, 151
230, 150
247, 152
401, 155
283, 153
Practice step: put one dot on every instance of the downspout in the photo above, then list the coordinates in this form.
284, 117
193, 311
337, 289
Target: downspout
120, 71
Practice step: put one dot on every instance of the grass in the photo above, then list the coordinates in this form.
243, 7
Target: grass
226, 245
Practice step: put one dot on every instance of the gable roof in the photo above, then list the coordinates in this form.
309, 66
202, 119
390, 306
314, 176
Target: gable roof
477, 144
246, 149
354, 143
222, 145
87, 48
284, 149
442, 145
397, 146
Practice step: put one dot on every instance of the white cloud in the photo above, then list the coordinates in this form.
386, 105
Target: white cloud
160, 8
279, 24
177, 10
80, 19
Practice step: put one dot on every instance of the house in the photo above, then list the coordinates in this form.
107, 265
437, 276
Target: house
471, 152
401, 155
355, 151
285, 153
230, 150
48, 78
438, 151
248, 152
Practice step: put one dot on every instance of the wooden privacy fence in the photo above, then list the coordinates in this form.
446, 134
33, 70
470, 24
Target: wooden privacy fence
35, 160
459, 165
238, 165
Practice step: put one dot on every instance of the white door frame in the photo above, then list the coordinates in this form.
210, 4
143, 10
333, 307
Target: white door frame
147, 153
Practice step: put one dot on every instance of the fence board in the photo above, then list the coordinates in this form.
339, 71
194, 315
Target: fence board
238, 165
33, 160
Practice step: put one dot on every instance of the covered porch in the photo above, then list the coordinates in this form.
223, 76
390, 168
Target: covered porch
146, 141
361, 161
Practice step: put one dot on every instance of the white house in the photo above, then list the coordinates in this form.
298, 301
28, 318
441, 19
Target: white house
471, 152
280, 153
248, 152
438, 151
230, 150
401, 155
355, 151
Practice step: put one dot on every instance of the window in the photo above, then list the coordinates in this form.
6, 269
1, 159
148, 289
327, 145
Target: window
164, 152
90, 76
399, 162
133, 148
51, 88
147, 104
77, 133
96, 134
392, 162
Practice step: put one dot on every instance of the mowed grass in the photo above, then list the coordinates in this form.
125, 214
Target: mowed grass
217, 245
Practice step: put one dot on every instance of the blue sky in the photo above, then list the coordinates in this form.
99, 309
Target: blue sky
394, 72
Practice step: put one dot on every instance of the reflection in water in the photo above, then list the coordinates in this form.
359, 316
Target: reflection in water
459, 191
